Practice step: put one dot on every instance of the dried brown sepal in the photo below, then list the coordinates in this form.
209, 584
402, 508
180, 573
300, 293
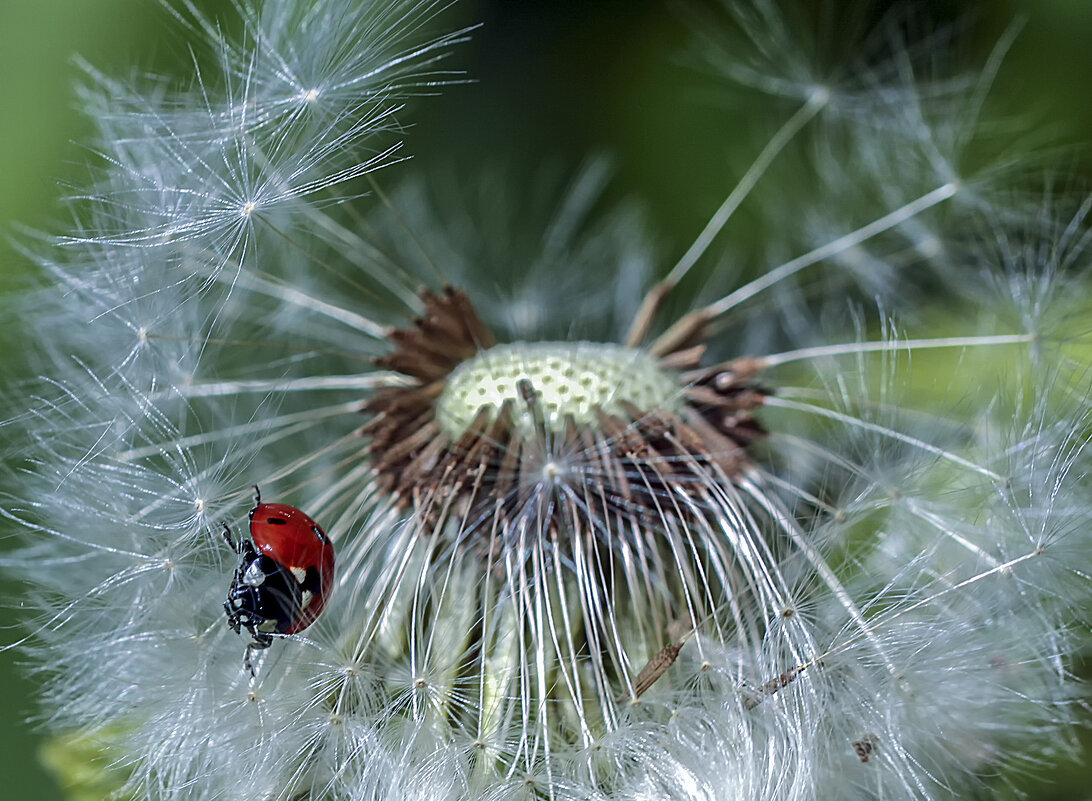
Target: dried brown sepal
689, 331
448, 333
406, 442
633, 462
725, 396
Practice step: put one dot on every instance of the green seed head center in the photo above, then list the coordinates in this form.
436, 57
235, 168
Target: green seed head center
576, 380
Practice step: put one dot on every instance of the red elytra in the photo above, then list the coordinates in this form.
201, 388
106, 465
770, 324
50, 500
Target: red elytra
294, 540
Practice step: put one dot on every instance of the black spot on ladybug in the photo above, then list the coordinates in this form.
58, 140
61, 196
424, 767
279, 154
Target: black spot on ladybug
277, 521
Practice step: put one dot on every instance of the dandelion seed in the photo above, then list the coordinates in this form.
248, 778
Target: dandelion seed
655, 668
865, 747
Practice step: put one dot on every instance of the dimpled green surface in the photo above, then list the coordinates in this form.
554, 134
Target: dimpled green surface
570, 379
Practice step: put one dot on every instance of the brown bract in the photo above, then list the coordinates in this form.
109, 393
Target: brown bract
626, 467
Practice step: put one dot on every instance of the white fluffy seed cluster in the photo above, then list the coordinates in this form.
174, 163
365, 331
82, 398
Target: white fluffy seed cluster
884, 606
576, 380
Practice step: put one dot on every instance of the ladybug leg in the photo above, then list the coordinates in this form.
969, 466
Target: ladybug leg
237, 547
232, 617
244, 547
260, 643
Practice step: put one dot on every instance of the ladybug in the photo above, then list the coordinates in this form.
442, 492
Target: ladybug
284, 576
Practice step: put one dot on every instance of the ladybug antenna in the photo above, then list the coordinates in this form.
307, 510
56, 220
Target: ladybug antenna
257, 502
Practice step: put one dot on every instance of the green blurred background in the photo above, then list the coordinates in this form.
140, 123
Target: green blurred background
555, 78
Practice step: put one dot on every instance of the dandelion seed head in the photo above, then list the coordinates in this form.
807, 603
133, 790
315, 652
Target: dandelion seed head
605, 527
